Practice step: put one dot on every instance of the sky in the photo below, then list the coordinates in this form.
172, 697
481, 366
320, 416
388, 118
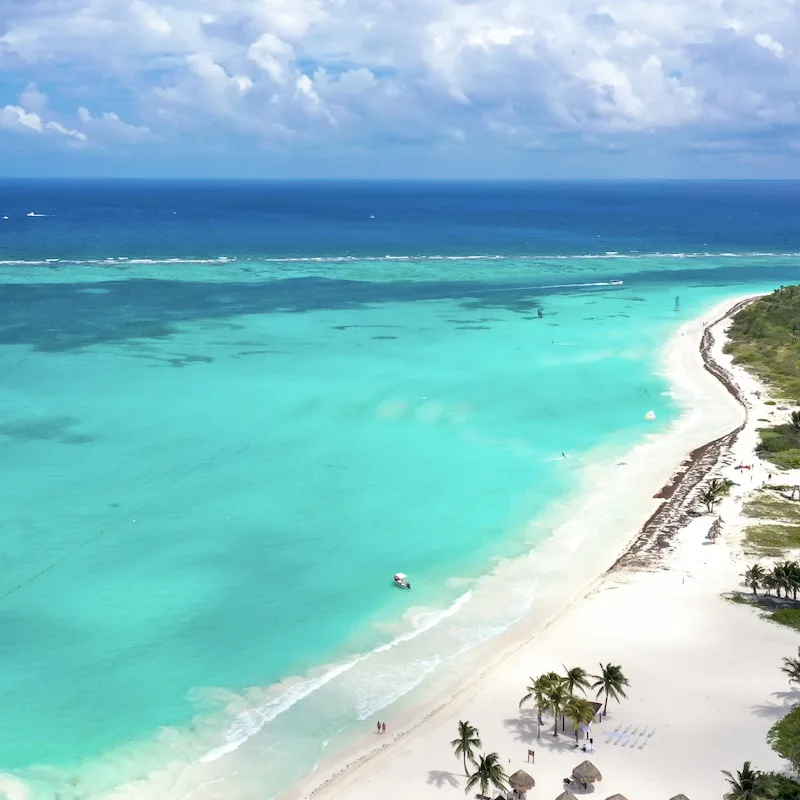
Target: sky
400, 88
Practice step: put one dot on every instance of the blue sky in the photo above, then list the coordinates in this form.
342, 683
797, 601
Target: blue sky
400, 88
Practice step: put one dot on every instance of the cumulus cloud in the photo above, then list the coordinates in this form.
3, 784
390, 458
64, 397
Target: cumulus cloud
446, 70
108, 126
18, 120
31, 115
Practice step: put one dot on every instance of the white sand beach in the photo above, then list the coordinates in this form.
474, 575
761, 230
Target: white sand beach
704, 672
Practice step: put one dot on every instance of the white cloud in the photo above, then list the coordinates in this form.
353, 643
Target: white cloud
768, 43
18, 120
512, 70
109, 127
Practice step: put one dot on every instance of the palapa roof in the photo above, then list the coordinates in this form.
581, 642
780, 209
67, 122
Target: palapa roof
587, 772
617, 797
679, 797
521, 780
566, 795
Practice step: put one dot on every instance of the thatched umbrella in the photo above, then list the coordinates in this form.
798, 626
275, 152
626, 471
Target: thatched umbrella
587, 773
566, 795
617, 797
520, 782
679, 797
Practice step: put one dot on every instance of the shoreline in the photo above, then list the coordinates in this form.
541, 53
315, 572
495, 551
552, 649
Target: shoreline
642, 552
666, 520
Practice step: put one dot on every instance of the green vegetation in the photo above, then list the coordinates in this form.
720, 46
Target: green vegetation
786, 616
556, 693
747, 784
772, 539
784, 736
611, 682
714, 491
783, 577
466, 743
769, 506
765, 338
752, 784
768, 402
488, 771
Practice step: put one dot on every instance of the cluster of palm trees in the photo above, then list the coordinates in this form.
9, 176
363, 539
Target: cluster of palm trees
783, 577
714, 491
558, 693
752, 784
488, 769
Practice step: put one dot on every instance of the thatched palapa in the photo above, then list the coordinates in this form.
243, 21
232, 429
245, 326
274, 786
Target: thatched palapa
520, 781
617, 797
587, 773
679, 797
566, 795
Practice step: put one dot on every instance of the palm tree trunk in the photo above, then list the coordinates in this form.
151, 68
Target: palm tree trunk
755, 593
605, 707
555, 727
466, 771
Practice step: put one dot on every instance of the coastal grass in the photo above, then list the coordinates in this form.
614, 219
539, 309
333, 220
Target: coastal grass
765, 338
788, 616
771, 539
771, 507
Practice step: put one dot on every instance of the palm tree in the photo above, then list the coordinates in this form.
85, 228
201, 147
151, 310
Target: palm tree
612, 682
709, 499
779, 578
579, 711
468, 739
794, 420
791, 573
556, 698
753, 577
576, 679
791, 666
749, 784
720, 486
768, 582
487, 770
539, 688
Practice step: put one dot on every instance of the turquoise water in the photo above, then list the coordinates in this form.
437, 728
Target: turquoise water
212, 473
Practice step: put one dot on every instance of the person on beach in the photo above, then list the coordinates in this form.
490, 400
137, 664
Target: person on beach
383, 727
379, 726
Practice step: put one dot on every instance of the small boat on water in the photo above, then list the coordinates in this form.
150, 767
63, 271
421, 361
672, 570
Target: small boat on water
402, 581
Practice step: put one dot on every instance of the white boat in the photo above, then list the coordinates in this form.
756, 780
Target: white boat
401, 580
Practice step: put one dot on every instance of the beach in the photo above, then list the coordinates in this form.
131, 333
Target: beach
704, 672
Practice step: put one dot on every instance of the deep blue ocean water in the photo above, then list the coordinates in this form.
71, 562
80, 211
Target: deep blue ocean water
229, 412
92, 220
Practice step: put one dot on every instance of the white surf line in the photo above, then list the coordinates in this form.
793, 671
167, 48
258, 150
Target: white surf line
557, 286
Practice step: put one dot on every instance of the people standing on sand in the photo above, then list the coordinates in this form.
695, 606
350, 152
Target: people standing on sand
383, 727
379, 726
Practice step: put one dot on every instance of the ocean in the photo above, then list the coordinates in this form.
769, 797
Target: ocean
230, 412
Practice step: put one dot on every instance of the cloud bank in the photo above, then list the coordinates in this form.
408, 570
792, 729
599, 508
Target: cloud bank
507, 73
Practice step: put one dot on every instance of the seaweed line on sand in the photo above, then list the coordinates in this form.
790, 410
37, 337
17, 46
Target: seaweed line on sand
673, 514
